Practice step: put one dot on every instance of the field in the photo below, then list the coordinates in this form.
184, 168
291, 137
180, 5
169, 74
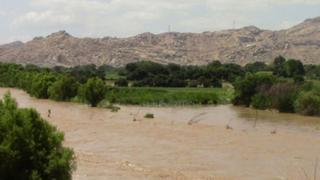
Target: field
169, 96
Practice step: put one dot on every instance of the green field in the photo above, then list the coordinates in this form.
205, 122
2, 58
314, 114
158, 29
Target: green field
169, 96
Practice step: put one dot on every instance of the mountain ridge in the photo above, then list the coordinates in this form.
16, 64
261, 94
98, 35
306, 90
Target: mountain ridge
241, 46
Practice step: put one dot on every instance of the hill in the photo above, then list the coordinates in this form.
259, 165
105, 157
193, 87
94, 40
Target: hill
239, 46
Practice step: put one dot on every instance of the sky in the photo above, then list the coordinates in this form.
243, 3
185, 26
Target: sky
25, 19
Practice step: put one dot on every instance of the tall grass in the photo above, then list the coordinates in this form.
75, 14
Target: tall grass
169, 96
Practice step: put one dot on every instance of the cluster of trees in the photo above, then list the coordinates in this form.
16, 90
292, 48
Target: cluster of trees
30, 148
152, 74
45, 83
278, 85
285, 89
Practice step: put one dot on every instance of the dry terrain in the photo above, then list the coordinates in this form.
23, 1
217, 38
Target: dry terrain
239, 46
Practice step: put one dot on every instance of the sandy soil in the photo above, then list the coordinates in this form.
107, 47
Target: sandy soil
184, 143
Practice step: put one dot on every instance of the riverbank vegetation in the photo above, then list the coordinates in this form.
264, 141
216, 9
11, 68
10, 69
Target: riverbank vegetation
30, 148
169, 96
285, 85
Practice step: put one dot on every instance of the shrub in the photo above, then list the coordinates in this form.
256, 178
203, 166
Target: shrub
260, 101
121, 82
40, 85
247, 87
283, 96
63, 89
149, 116
298, 79
217, 83
193, 83
93, 91
30, 148
308, 103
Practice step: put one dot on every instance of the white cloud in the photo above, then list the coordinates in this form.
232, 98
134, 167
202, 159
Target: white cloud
45, 18
2, 13
130, 17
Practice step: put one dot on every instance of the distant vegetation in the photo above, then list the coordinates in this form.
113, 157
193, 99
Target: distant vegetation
285, 85
291, 87
169, 96
30, 148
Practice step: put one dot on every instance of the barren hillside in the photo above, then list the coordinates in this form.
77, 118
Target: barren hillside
240, 46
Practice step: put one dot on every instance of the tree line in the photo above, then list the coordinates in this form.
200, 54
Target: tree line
256, 84
85, 83
290, 87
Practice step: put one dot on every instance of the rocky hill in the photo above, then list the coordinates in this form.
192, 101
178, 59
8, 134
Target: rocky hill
240, 46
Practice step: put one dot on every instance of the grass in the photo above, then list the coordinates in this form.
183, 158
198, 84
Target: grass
169, 96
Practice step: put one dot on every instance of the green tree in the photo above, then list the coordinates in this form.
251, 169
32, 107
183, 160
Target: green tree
283, 96
278, 66
30, 148
121, 82
260, 101
63, 89
40, 85
93, 91
255, 67
293, 68
247, 87
308, 103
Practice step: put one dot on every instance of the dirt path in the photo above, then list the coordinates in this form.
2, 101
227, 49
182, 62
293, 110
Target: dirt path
112, 146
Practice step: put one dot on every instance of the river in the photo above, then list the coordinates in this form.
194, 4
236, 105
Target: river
215, 142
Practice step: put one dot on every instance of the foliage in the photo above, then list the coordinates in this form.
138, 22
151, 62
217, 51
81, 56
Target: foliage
172, 75
30, 148
255, 67
290, 68
93, 91
293, 68
40, 85
121, 82
169, 96
149, 116
247, 87
283, 95
278, 66
308, 103
64, 89
261, 101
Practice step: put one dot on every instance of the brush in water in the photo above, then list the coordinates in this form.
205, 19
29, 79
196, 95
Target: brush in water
228, 127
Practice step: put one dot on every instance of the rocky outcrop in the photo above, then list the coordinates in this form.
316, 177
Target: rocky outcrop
239, 46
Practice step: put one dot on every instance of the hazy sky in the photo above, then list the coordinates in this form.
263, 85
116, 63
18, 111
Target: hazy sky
24, 19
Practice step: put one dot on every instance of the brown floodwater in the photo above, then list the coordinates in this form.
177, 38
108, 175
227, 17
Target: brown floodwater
217, 142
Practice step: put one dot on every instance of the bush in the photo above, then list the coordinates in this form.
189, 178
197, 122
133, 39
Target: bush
30, 148
93, 91
193, 83
260, 101
40, 85
217, 83
247, 87
308, 103
121, 83
149, 116
63, 89
283, 96
298, 79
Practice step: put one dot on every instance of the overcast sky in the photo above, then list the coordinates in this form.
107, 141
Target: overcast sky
25, 19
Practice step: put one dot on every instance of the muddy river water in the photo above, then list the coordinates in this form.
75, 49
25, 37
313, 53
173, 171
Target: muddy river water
222, 142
